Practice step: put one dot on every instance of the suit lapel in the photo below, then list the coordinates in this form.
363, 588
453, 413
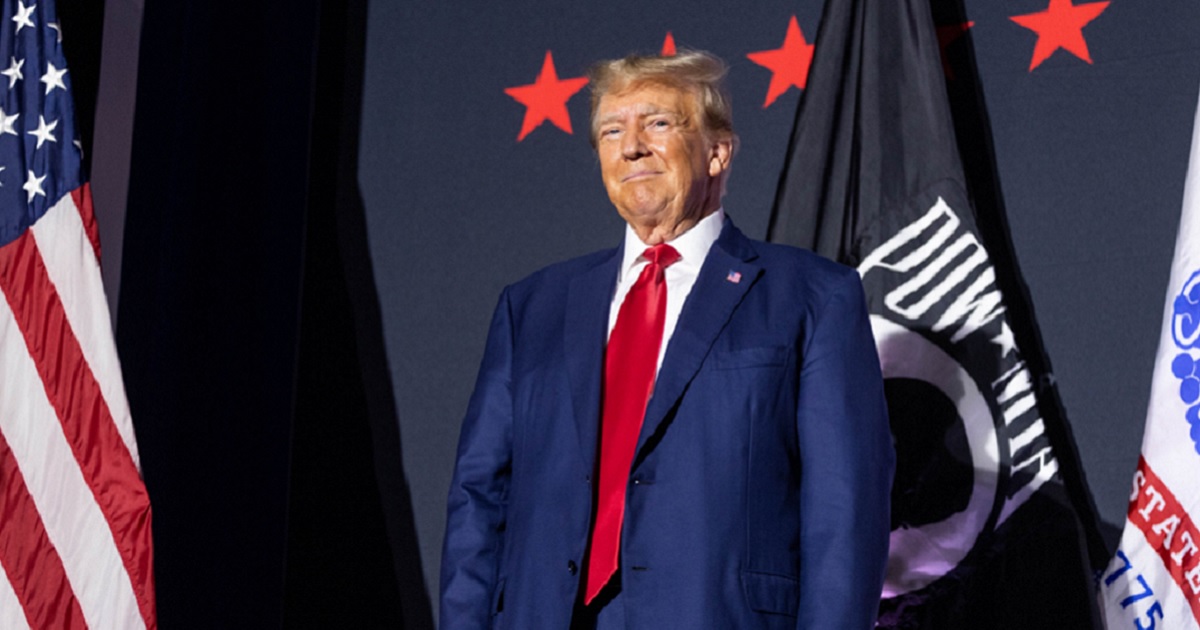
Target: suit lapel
725, 277
584, 336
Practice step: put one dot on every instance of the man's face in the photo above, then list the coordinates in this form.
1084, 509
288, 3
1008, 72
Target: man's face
661, 172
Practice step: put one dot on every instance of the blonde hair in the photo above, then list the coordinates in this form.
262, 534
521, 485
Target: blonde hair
696, 71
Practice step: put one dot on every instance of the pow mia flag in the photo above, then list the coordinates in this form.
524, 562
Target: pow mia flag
985, 531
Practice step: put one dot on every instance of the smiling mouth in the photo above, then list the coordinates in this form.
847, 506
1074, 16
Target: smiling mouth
639, 175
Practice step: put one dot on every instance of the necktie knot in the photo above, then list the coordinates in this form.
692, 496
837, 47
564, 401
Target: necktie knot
662, 255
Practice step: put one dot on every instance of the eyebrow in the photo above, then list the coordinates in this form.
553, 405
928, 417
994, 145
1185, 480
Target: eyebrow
643, 111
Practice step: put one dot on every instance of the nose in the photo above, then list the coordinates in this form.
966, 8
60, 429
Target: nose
633, 146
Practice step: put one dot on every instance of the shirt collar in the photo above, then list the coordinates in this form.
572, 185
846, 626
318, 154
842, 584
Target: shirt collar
692, 245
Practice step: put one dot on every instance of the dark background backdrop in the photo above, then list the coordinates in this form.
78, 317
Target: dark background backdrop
325, 199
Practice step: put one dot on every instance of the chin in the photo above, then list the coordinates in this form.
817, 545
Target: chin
647, 218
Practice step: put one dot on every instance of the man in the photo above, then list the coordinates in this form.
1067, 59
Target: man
688, 431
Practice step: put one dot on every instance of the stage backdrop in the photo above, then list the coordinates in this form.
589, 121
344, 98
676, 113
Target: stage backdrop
326, 199
475, 170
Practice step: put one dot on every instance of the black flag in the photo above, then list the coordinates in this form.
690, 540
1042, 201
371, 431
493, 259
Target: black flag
989, 512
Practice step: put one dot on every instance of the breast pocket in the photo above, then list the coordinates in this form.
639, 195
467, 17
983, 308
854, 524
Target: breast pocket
741, 358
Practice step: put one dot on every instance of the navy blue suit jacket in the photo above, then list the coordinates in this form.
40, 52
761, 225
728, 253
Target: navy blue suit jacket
759, 491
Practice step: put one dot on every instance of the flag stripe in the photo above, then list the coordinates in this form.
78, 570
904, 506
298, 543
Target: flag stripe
94, 442
35, 572
63, 242
12, 615
72, 520
82, 197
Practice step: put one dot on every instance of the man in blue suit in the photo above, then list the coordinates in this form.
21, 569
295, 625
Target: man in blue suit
688, 431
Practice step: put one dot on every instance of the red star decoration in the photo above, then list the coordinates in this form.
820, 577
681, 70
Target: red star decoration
668, 49
546, 98
947, 35
788, 63
1060, 26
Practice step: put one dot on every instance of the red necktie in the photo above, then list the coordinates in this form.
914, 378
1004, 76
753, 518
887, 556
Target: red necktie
630, 363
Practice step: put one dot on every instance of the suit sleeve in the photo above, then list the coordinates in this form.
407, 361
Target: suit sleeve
475, 519
847, 461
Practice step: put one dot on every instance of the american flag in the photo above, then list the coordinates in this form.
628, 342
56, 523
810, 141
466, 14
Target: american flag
75, 542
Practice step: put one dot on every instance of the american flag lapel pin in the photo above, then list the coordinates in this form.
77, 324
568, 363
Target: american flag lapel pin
734, 276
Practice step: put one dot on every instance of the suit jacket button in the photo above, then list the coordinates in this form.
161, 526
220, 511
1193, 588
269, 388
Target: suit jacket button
571, 567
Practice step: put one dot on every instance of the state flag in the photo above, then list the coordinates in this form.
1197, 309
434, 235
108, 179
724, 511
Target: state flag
1154, 577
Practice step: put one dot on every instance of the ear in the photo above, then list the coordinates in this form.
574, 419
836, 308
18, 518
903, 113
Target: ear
719, 155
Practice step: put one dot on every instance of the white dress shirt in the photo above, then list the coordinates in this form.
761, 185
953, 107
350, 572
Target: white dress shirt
693, 246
